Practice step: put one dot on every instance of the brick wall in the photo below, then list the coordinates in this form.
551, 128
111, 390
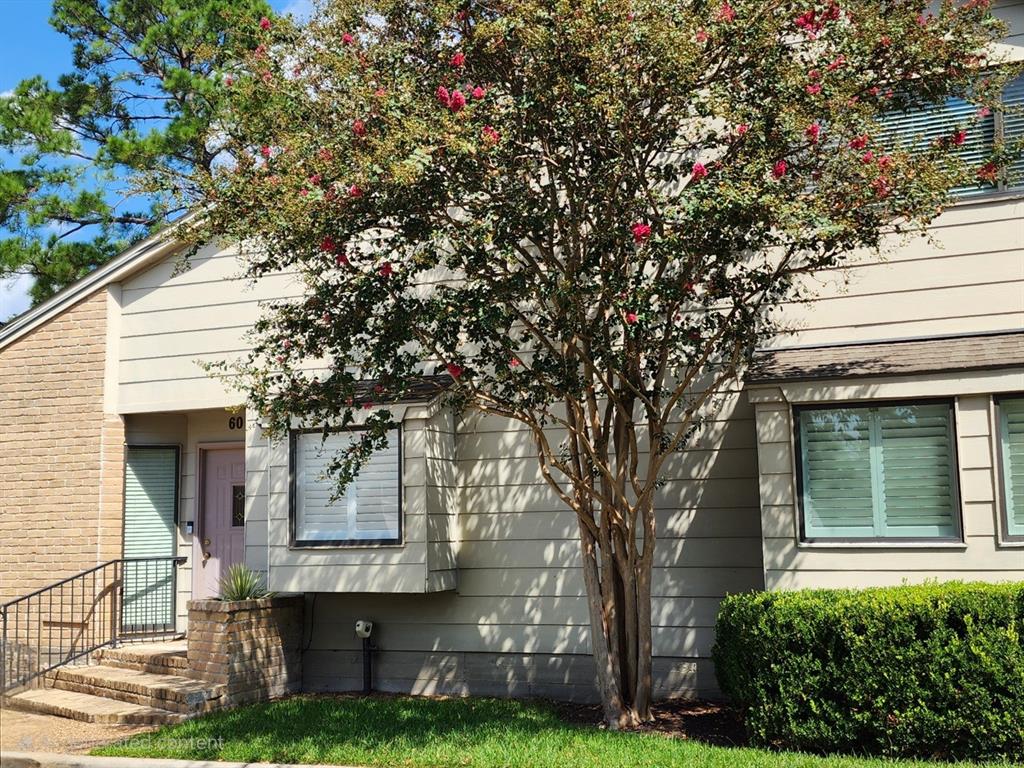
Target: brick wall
61, 456
252, 647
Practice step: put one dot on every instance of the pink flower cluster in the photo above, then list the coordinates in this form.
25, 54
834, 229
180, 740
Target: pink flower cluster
811, 22
455, 100
641, 232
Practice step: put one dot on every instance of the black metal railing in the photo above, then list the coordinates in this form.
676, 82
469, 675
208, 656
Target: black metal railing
124, 600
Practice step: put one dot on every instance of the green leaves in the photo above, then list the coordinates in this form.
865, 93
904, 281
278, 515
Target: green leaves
108, 153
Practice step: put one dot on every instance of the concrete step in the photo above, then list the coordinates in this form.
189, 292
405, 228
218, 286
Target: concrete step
159, 658
90, 709
162, 691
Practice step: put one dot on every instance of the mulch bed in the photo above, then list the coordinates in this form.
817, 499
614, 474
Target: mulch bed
702, 721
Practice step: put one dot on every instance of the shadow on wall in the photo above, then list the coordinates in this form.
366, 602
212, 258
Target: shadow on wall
518, 625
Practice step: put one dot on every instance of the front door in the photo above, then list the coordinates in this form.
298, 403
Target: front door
221, 539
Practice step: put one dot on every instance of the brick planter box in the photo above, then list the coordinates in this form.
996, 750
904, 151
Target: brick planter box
252, 647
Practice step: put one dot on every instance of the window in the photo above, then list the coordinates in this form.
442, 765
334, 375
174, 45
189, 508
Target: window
878, 472
918, 128
1011, 454
369, 510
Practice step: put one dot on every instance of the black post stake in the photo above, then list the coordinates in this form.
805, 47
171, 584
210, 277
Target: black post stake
367, 666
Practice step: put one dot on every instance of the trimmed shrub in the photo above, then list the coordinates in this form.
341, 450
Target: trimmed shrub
934, 671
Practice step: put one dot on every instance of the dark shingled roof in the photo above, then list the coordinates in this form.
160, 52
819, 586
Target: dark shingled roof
423, 390
891, 358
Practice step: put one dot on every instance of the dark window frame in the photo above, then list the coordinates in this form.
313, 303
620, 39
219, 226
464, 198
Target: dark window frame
296, 543
1004, 511
803, 538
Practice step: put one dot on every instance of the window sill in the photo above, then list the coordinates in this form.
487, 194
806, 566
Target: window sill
887, 545
1006, 196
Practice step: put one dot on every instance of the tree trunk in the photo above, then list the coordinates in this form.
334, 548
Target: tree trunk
620, 625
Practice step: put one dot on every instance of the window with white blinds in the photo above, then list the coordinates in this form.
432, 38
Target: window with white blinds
369, 509
878, 472
1011, 449
917, 129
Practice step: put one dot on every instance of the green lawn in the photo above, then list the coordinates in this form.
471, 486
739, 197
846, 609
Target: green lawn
417, 732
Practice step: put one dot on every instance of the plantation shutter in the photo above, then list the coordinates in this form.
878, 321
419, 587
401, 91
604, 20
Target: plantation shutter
916, 129
367, 510
1013, 128
1011, 435
835, 447
885, 472
150, 501
918, 486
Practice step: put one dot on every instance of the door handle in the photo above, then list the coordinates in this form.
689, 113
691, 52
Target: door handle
206, 551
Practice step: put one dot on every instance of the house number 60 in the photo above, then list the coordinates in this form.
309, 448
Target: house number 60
236, 422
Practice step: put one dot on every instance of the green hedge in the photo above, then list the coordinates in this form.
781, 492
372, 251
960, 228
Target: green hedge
934, 671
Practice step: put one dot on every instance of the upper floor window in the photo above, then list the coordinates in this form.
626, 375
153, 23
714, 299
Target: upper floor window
369, 510
918, 128
1011, 450
878, 472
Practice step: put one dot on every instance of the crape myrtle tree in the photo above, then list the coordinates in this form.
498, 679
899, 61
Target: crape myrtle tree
584, 213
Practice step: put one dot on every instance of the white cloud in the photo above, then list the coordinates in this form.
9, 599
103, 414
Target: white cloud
7, 94
14, 297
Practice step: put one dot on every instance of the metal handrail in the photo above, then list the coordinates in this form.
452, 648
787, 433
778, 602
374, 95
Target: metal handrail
122, 600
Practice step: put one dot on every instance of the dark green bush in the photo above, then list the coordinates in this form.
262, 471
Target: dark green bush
934, 671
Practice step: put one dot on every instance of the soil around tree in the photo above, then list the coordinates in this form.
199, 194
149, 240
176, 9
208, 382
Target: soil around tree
704, 721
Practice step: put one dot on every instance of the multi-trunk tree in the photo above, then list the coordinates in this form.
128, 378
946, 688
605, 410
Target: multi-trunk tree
585, 212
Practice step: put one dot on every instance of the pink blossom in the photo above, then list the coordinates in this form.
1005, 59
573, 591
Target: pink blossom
454, 370
884, 161
814, 88
813, 132
458, 59
514, 362
885, 41
327, 245
368, 405
881, 186
989, 172
779, 169
479, 92
641, 232
386, 269
725, 12
347, 39
359, 128
325, 154
742, 129
380, 93
266, 77
868, 157
355, 191
266, 151
341, 260
814, 74
457, 101
229, 81
959, 137
631, 318
442, 94
701, 36
264, 23
286, 344
836, 63
490, 135
984, 112
260, 51
859, 142
699, 171
303, 192
315, 179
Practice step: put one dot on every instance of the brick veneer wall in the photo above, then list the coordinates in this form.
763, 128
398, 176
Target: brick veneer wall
253, 647
61, 456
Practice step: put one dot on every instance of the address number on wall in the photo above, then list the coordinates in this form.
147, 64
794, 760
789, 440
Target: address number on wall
236, 422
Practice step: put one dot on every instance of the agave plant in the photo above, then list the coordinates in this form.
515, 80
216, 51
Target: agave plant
242, 583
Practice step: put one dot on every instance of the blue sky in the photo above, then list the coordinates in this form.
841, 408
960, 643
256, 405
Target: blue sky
29, 46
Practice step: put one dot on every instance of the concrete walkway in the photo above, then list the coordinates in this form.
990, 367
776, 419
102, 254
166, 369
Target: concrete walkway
46, 760
33, 732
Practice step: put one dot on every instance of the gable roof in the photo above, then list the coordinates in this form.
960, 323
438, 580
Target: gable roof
987, 351
132, 259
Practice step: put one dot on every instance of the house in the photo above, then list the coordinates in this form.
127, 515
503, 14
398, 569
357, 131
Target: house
115, 443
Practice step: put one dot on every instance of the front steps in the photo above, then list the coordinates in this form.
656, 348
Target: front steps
140, 684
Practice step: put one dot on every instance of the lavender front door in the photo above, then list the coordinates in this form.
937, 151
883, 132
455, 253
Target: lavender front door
221, 536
